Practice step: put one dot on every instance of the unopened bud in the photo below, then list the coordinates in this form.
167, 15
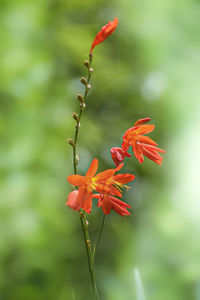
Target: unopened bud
77, 159
70, 142
91, 70
88, 242
80, 98
89, 86
83, 80
86, 63
81, 214
75, 117
87, 223
83, 105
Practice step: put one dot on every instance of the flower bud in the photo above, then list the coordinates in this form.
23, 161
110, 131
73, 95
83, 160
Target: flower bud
83, 106
80, 98
81, 214
75, 117
118, 155
89, 86
70, 142
83, 80
77, 158
88, 242
86, 63
91, 70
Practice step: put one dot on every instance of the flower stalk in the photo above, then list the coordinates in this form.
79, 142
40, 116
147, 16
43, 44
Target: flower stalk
82, 107
106, 187
83, 219
100, 235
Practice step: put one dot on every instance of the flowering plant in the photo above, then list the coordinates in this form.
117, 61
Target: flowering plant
107, 185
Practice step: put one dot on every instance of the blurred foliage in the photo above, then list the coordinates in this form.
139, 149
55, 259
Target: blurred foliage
148, 68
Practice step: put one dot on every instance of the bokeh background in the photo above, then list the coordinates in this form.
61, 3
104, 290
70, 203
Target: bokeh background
150, 67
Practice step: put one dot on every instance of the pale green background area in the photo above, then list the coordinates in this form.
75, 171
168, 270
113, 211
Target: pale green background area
150, 67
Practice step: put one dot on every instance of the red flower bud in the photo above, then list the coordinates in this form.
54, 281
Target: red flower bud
105, 31
118, 155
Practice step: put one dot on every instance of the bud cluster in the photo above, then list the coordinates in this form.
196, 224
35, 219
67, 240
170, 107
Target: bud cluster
81, 98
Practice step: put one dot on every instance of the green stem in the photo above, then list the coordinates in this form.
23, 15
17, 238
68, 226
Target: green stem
100, 235
82, 106
101, 231
89, 254
82, 213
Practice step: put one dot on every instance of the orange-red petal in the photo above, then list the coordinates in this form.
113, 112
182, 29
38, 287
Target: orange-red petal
145, 139
75, 179
119, 167
76, 198
125, 145
119, 206
87, 203
92, 168
138, 152
142, 121
143, 129
72, 200
104, 175
124, 178
114, 191
153, 155
152, 147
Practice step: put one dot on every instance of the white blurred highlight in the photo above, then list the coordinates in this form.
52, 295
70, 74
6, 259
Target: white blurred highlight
139, 287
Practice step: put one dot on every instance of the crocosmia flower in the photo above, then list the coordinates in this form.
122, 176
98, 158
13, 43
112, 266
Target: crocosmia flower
107, 184
142, 144
105, 31
82, 198
110, 187
111, 183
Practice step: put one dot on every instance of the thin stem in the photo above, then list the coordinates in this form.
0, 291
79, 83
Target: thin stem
82, 214
89, 254
101, 231
79, 117
100, 235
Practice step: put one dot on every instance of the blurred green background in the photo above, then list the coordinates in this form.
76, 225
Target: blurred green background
150, 67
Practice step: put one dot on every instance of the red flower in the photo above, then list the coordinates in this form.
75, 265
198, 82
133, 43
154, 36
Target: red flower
142, 144
110, 185
108, 202
82, 198
105, 31
118, 155
106, 183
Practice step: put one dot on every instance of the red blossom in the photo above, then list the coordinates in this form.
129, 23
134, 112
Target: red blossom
82, 198
142, 144
105, 31
106, 183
